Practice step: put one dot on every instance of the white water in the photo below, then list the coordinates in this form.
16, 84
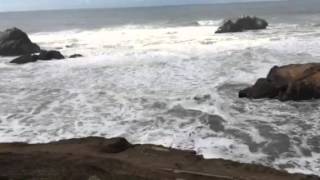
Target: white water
139, 82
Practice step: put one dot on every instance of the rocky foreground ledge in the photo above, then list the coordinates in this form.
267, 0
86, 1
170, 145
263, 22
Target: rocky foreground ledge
96, 158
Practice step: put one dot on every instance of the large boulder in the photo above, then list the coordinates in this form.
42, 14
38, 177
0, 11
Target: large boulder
291, 82
243, 24
14, 42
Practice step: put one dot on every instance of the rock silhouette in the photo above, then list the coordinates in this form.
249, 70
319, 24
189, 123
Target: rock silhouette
14, 42
291, 82
43, 56
242, 24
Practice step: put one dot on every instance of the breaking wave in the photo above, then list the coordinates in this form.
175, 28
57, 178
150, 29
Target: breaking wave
175, 86
209, 22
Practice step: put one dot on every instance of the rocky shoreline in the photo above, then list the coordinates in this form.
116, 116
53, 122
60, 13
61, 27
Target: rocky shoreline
95, 158
15, 42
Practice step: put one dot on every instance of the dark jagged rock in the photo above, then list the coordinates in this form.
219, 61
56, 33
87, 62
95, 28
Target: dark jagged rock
25, 59
97, 158
44, 56
75, 56
291, 82
261, 89
14, 42
50, 55
243, 24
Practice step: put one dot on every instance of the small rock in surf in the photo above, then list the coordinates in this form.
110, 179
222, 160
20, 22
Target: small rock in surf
242, 24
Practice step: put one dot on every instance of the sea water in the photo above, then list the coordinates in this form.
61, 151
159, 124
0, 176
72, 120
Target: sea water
161, 75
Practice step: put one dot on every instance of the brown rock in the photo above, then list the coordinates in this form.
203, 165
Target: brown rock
291, 82
96, 158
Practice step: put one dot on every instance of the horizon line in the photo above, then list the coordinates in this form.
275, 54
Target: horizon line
134, 7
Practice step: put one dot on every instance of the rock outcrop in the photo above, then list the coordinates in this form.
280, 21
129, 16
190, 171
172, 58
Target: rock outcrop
14, 42
43, 56
75, 56
50, 55
25, 59
96, 158
242, 24
291, 82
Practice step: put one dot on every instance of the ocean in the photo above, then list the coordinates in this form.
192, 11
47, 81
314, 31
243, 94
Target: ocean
161, 75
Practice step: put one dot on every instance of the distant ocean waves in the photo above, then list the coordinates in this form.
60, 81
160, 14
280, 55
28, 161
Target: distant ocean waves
207, 22
140, 82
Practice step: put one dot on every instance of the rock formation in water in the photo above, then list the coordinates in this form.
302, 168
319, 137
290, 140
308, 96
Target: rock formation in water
43, 56
291, 82
96, 158
14, 42
76, 56
242, 24
50, 55
25, 59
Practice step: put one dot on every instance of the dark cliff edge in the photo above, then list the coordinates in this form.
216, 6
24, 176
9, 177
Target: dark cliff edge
96, 158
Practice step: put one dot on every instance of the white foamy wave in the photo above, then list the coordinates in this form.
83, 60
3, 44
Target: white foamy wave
135, 39
139, 82
209, 22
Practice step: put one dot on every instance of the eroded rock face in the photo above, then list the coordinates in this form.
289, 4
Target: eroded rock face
291, 82
96, 158
242, 24
14, 42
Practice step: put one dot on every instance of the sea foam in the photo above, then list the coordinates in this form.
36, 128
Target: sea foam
140, 83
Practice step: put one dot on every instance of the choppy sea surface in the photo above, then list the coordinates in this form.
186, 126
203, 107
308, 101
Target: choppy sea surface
172, 82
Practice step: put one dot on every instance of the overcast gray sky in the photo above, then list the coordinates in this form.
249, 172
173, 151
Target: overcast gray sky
18, 5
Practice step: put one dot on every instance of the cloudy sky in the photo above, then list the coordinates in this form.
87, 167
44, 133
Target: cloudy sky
18, 5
